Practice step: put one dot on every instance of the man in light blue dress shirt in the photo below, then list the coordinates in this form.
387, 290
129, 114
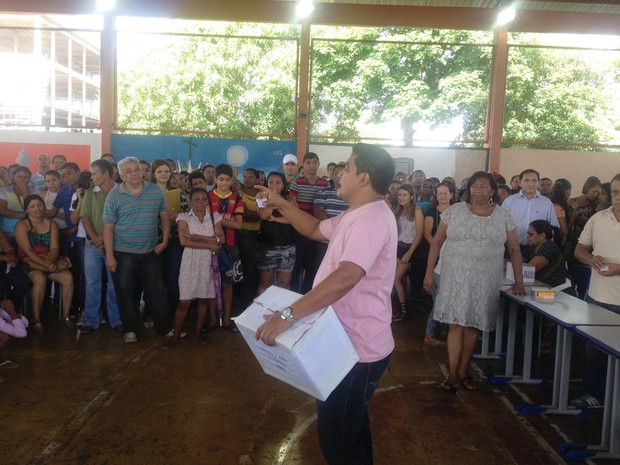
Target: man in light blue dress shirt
529, 204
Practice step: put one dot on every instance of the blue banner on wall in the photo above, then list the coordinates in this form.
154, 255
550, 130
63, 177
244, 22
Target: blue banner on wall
263, 155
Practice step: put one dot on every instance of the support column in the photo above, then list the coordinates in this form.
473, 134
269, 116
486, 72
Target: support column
497, 98
107, 96
303, 99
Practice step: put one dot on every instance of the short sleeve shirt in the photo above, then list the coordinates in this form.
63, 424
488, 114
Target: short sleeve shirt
227, 206
135, 217
365, 236
602, 233
305, 193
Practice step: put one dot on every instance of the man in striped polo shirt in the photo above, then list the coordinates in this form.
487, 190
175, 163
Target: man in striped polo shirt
303, 191
130, 216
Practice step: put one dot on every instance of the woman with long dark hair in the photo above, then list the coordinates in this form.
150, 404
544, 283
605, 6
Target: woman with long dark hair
410, 220
38, 240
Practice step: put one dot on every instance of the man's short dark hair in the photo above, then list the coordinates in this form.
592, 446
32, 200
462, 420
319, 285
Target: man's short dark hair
545, 179
377, 163
70, 165
310, 156
195, 175
330, 164
208, 165
223, 169
104, 166
528, 171
59, 155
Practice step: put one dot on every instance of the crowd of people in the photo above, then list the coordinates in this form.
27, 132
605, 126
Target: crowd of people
136, 244
58, 213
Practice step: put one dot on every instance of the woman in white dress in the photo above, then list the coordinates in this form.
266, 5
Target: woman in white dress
202, 235
474, 232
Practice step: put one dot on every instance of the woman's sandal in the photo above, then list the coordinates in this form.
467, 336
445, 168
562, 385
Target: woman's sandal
469, 384
8, 364
445, 386
38, 328
67, 322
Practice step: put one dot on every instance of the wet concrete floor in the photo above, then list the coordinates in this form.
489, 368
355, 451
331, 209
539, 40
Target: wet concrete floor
95, 400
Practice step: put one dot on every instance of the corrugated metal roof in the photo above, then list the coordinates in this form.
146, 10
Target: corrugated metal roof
601, 6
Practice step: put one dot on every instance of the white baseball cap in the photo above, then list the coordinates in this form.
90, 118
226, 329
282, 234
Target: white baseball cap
289, 158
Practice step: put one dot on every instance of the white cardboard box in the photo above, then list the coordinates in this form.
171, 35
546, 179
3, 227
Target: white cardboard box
529, 273
313, 356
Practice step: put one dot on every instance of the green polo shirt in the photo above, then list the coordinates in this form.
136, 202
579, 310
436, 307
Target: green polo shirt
92, 207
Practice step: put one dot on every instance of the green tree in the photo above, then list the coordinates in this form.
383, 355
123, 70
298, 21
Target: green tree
559, 96
235, 84
407, 75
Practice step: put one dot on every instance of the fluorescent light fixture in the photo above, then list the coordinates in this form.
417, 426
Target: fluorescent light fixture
506, 15
304, 8
105, 5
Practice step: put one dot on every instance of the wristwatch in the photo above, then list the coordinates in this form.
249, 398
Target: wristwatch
287, 315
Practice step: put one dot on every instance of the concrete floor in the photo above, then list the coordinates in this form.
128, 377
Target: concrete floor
94, 400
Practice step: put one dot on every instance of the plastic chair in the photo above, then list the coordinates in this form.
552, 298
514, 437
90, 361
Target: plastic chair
580, 276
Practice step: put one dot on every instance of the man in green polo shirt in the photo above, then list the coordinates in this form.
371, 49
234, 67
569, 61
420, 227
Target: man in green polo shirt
94, 257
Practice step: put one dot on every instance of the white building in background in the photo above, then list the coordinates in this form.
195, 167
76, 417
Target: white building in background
50, 73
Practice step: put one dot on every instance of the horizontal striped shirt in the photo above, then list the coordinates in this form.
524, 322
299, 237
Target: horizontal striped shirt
328, 199
305, 193
135, 217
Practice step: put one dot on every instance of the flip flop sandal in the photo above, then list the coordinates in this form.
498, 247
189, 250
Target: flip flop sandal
469, 384
8, 364
445, 386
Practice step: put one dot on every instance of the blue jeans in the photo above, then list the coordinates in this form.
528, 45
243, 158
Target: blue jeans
343, 423
595, 373
94, 265
145, 269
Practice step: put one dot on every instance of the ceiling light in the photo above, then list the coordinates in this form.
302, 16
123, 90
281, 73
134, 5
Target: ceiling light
304, 8
506, 15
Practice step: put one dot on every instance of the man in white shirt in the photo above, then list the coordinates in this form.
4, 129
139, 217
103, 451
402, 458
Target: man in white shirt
599, 247
529, 204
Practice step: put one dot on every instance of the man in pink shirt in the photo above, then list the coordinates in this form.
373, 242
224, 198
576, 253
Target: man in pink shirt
356, 278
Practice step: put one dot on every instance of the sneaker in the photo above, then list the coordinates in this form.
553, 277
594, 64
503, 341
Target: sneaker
171, 334
586, 401
130, 337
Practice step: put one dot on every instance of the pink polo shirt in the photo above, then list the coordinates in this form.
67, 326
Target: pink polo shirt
366, 236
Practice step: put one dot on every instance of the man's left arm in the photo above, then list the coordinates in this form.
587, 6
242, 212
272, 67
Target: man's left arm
165, 232
333, 288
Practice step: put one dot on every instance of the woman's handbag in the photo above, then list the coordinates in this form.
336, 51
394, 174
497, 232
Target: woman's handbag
62, 263
229, 260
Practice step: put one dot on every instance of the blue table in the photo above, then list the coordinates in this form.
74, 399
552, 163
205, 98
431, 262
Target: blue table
607, 338
567, 311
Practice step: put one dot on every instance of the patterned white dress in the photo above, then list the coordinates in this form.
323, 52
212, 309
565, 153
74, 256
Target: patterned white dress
472, 266
196, 274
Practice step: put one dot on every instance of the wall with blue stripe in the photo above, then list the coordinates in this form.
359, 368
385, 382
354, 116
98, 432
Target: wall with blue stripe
243, 153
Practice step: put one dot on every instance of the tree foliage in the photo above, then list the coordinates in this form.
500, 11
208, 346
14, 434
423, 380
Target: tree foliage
232, 82
236, 84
